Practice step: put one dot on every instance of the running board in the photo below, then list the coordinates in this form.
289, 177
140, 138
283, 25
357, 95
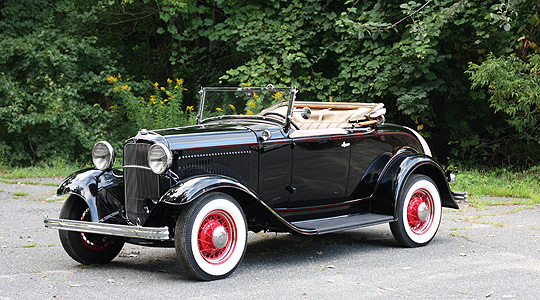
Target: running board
327, 225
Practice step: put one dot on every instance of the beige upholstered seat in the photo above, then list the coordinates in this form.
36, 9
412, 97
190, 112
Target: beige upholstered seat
330, 118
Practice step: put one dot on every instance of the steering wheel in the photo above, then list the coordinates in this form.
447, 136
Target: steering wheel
282, 116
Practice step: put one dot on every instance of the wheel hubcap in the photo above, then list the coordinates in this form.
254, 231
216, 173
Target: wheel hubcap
420, 211
220, 237
423, 212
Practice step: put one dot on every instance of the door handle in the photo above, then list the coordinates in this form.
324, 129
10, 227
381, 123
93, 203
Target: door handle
345, 144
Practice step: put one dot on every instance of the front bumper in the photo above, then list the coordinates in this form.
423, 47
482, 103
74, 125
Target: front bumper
149, 233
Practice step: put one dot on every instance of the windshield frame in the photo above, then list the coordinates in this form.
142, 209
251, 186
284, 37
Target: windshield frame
269, 88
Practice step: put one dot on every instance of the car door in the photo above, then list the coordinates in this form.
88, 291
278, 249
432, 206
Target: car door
275, 155
320, 169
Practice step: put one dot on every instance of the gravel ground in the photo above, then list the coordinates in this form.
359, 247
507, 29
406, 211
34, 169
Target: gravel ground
491, 253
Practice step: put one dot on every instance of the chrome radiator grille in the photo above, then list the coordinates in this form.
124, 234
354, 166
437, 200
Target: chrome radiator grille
139, 184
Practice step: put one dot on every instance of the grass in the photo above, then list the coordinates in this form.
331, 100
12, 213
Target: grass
58, 169
30, 245
524, 185
27, 182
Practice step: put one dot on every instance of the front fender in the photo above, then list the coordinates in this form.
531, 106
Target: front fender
189, 189
86, 184
396, 174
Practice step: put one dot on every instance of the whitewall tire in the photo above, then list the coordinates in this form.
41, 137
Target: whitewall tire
419, 212
211, 236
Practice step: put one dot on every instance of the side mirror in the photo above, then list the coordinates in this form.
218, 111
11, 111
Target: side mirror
306, 113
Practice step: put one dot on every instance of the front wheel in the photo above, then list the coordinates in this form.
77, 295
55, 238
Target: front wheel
86, 248
211, 236
419, 212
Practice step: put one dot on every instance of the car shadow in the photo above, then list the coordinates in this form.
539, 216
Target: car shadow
269, 250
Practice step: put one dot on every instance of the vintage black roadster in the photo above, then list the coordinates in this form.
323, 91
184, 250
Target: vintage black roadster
256, 160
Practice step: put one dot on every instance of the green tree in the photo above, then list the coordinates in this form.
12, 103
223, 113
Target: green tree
513, 84
51, 82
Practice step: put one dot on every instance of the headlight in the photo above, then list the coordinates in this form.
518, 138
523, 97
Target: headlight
159, 158
103, 155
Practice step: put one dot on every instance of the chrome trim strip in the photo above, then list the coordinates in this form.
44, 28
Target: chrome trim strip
215, 154
132, 166
150, 233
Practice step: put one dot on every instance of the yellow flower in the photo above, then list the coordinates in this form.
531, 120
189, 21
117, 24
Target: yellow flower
116, 88
179, 81
190, 108
169, 80
165, 100
167, 92
156, 85
249, 112
112, 79
278, 95
251, 104
219, 109
246, 84
150, 111
232, 107
162, 88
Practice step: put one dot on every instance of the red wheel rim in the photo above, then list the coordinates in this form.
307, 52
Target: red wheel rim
213, 224
420, 211
86, 239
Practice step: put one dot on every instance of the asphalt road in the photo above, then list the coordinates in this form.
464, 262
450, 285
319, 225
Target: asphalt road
491, 253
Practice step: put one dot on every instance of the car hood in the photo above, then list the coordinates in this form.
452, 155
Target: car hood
202, 136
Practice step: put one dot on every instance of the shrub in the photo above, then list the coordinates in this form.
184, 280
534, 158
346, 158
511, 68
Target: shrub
162, 108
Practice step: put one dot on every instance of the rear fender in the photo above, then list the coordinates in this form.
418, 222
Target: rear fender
86, 184
396, 174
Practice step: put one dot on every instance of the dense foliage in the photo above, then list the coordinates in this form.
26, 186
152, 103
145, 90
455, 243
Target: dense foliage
464, 73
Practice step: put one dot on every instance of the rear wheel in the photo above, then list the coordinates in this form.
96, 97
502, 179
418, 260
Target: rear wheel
86, 248
419, 213
211, 236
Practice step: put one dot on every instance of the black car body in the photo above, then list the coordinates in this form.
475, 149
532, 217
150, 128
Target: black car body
281, 165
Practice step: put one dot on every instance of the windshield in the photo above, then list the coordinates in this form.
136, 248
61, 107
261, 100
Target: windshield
244, 101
